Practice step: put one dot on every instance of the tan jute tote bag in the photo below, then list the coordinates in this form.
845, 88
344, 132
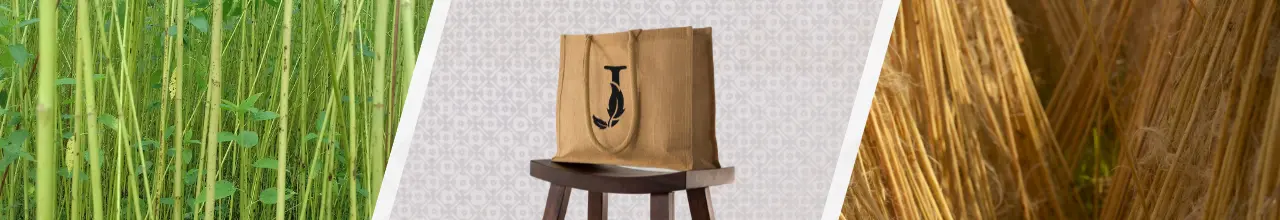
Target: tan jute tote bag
637, 98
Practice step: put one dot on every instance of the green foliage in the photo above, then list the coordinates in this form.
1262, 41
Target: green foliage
27, 22
19, 54
310, 136
109, 121
247, 139
268, 196
221, 190
192, 175
200, 23
264, 115
268, 163
227, 137
243, 138
14, 150
186, 155
65, 81
247, 107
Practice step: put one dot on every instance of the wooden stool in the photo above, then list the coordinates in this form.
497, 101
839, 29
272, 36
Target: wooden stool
600, 180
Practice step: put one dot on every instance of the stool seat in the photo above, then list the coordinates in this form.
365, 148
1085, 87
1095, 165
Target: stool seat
602, 180
619, 179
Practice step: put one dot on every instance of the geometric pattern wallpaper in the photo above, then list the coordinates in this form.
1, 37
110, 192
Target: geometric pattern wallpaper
785, 76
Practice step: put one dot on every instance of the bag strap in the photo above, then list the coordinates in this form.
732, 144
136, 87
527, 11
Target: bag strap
586, 60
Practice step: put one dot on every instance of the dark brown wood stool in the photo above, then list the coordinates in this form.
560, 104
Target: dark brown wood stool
600, 180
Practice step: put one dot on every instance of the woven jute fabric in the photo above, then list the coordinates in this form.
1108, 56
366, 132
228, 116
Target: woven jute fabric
638, 98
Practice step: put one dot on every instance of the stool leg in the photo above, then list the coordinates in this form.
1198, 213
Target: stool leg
700, 204
597, 206
662, 206
557, 203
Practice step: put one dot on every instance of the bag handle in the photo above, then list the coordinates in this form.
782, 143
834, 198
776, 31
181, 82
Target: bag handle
586, 60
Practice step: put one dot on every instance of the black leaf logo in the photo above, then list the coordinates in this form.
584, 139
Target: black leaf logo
616, 102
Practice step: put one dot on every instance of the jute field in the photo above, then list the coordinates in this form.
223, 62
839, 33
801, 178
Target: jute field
200, 109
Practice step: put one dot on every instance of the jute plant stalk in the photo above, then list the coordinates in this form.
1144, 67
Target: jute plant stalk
379, 90
91, 111
179, 131
349, 23
46, 110
956, 127
408, 45
214, 122
282, 151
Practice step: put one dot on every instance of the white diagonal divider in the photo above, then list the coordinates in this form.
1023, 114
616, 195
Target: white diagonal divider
411, 109
861, 108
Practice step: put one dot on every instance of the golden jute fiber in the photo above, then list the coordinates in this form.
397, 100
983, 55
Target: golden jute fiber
1130, 109
956, 129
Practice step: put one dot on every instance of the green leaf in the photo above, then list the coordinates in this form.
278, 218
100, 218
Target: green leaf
248, 139
66, 173
268, 163
6, 160
166, 201
186, 155
231, 8
226, 137
99, 76
268, 196
199, 3
230, 106
192, 176
19, 54
28, 22
109, 121
87, 157
168, 132
222, 189
18, 138
143, 169
320, 121
248, 102
264, 115
145, 143
64, 81
366, 51
18, 153
309, 137
200, 22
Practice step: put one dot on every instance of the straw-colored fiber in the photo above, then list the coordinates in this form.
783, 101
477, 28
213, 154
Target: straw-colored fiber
956, 129
1126, 109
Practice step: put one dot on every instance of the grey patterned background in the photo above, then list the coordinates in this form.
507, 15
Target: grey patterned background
785, 76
